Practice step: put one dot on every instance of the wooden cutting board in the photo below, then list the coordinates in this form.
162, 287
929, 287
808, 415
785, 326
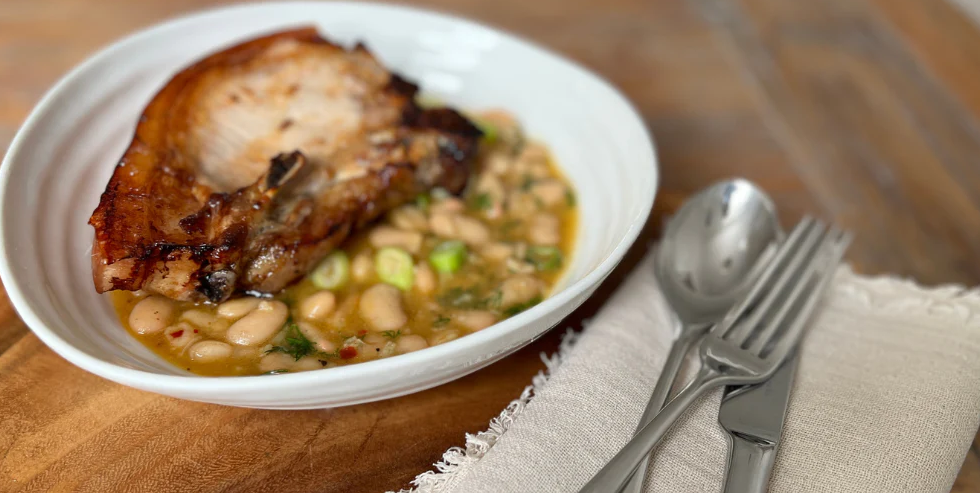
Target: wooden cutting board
864, 111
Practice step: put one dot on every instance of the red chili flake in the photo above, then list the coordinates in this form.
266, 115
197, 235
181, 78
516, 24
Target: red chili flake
361, 333
195, 331
177, 333
348, 352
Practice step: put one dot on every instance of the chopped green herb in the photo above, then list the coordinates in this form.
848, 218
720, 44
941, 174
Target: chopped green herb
469, 298
448, 256
509, 226
527, 182
296, 344
440, 321
493, 301
458, 297
391, 334
481, 202
423, 201
514, 310
518, 143
544, 258
570, 198
276, 372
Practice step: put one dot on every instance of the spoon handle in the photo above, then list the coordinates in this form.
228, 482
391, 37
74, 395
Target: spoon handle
614, 474
661, 392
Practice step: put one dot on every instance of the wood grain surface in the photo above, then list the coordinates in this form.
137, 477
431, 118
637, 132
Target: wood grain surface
864, 111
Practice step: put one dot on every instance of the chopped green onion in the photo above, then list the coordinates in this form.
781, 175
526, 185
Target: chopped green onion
490, 131
570, 198
440, 193
544, 258
332, 272
447, 257
481, 202
394, 266
423, 201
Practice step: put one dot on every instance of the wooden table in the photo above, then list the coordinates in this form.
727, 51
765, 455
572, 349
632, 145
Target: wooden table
865, 111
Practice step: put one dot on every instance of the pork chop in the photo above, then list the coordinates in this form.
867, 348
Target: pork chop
252, 164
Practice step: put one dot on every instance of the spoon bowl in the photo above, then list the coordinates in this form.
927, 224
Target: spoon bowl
714, 247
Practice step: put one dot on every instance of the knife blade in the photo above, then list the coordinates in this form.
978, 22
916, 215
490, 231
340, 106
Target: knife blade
753, 416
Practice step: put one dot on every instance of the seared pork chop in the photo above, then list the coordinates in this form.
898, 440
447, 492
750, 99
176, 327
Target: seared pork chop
252, 164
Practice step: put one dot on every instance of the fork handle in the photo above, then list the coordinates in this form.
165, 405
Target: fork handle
689, 334
615, 473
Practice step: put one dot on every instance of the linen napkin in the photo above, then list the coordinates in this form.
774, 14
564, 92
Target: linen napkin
886, 399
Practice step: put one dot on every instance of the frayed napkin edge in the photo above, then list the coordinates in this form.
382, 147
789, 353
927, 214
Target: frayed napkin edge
455, 459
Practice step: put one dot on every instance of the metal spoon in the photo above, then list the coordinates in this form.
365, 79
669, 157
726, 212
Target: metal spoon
712, 250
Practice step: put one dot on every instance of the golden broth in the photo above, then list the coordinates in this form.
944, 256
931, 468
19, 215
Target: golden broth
517, 219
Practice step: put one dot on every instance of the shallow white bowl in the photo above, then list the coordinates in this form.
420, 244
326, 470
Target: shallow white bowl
60, 161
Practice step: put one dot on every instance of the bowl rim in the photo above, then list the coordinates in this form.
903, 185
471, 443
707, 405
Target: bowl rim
217, 385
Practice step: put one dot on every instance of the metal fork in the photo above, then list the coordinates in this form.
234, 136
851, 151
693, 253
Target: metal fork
750, 343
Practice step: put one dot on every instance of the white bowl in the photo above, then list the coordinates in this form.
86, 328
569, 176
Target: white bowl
60, 161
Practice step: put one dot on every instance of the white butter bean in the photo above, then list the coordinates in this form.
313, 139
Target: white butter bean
550, 191
409, 343
443, 337
519, 289
151, 315
237, 308
471, 231
381, 306
200, 318
276, 361
545, 230
210, 351
448, 204
409, 218
259, 325
387, 236
425, 278
497, 252
317, 306
475, 319
362, 267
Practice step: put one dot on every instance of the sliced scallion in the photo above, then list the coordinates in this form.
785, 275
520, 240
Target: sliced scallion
332, 272
448, 256
394, 266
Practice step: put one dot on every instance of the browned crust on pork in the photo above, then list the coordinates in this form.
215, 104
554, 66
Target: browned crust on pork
157, 227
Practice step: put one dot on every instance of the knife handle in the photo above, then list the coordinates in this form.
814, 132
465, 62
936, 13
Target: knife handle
749, 465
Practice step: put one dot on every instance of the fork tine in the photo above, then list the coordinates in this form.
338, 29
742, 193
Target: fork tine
758, 288
802, 286
798, 321
801, 258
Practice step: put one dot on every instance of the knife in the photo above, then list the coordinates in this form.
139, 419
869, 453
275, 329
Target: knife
753, 417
